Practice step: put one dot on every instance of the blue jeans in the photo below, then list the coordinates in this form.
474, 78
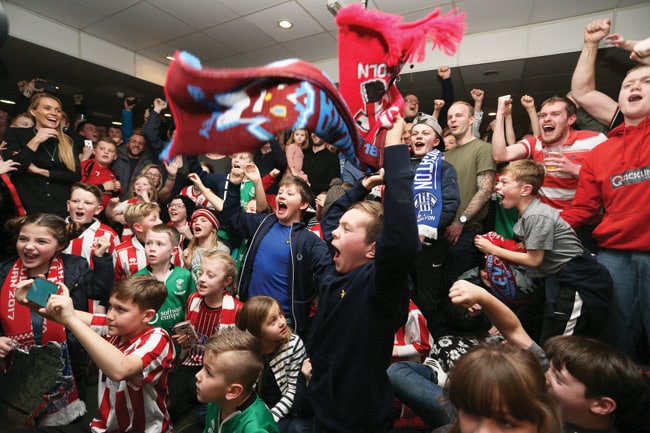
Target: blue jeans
630, 314
416, 386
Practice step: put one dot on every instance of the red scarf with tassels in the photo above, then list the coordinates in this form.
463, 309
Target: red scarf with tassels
373, 48
16, 318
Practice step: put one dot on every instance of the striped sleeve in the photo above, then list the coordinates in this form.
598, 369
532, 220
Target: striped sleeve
286, 367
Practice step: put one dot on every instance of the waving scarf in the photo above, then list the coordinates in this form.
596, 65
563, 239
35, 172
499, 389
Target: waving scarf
373, 47
235, 110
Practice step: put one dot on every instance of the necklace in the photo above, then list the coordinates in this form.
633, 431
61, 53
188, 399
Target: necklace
51, 154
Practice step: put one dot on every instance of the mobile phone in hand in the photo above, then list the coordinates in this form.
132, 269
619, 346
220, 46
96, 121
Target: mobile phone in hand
186, 328
41, 291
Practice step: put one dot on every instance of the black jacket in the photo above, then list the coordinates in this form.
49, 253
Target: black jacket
37, 193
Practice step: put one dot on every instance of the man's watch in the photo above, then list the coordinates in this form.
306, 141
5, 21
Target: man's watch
462, 219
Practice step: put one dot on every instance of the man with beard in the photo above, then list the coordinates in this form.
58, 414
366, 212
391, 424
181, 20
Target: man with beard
136, 158
556, 118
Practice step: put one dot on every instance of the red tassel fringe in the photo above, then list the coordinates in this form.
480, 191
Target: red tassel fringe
406, 41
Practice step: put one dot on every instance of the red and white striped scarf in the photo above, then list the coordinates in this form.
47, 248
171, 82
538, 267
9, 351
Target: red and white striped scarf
16, 318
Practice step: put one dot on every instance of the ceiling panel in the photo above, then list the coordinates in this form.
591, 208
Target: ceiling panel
201, 14
202, 46
64, 11
245, 7
303, 24
126, 36
313, 48
101, 6
319, 13
484, 16
270, 54
149, 20
550, 10
240, 35
408, 6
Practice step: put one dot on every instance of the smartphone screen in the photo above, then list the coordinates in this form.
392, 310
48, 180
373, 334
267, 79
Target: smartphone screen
41, 291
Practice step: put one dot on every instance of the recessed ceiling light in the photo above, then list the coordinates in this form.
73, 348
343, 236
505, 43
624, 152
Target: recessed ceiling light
167, 115
7, 101
169, 57
285, 24
492, 114
116, 123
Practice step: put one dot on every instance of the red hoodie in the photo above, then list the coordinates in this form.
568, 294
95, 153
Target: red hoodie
616, 177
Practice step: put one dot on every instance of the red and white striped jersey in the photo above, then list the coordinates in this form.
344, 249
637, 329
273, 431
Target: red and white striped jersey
139, 402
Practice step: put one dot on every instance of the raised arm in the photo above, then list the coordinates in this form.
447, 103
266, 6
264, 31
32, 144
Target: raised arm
530, 258
583, 82
214, 200
466, 294
501, 152
477, 96
115, 364
528, 102
253, 174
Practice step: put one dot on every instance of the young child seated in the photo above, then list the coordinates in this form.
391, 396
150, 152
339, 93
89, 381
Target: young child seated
577, 287
97, 241
598, 387
499, 387
210, 309
97, 170
231, 365
160, 244
133, 357
130, 254
283, 353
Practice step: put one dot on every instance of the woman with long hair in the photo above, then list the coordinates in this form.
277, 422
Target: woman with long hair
49, 164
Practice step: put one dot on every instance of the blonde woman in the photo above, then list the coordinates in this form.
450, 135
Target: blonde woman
48, 163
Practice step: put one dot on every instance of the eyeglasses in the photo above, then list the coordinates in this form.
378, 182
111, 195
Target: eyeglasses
412, 100
175, 205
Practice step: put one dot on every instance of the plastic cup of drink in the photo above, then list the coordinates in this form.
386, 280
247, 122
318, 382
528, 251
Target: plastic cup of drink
551, 152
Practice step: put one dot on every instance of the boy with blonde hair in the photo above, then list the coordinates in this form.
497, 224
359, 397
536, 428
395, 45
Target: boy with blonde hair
232, 363
363, 298
130, 254
577, 287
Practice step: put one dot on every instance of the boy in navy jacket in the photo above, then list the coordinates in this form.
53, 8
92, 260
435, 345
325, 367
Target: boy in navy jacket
363, 298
